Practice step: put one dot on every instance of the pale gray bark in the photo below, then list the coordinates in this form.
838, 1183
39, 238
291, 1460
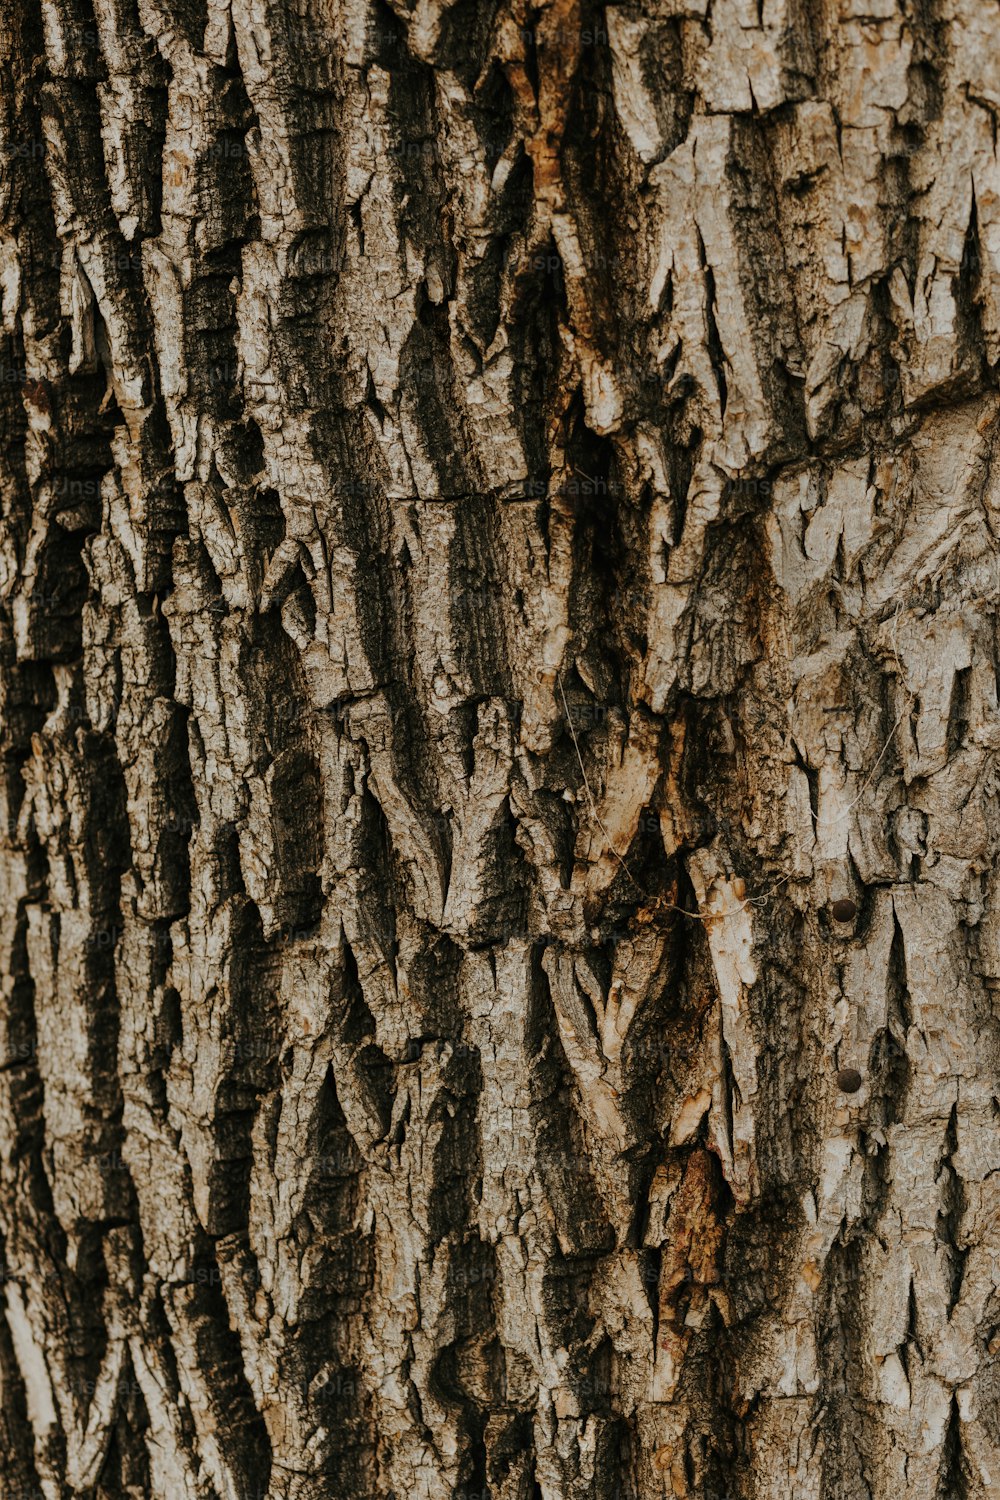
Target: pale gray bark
500, 923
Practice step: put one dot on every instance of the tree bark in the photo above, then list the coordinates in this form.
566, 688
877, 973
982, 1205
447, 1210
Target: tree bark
500, 925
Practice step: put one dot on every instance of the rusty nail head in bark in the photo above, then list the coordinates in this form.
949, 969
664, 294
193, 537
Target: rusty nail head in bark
844, 910
848, 1080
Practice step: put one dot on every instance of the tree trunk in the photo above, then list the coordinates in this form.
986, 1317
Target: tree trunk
498, 665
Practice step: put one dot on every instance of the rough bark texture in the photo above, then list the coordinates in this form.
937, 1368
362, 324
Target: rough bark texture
498, 674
